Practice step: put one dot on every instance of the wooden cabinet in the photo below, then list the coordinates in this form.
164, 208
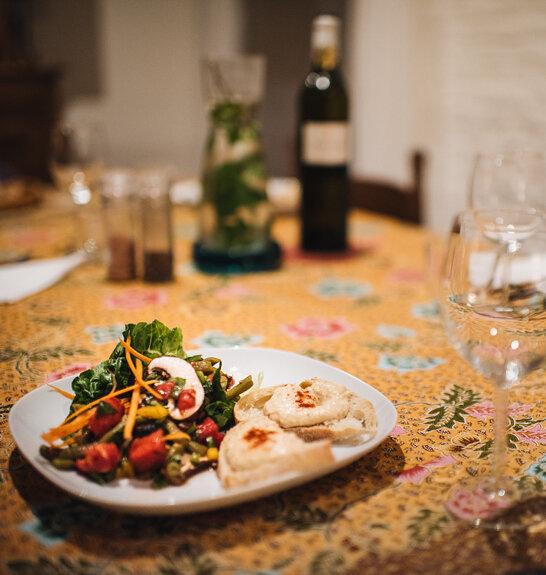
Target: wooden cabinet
29, 105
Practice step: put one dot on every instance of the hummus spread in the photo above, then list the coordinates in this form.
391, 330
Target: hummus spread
309, 403
257, 441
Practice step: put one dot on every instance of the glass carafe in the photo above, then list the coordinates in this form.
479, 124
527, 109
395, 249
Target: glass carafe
235, 214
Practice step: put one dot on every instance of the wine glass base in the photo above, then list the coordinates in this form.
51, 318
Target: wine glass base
490, 504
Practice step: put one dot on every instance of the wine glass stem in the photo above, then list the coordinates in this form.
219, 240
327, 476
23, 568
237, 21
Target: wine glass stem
500, 400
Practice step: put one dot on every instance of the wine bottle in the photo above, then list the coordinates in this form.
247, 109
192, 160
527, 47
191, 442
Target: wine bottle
323, 143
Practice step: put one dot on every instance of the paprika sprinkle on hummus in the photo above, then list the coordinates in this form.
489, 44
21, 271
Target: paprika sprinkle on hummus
257, 436
305, 399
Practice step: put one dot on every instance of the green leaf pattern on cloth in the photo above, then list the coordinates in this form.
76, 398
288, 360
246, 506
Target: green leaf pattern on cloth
452, 408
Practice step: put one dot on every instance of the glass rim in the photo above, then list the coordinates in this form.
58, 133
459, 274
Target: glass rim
511, 154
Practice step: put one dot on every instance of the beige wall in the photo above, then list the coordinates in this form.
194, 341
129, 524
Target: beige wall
492, 95
452, 77
379, 71
449, 76
151, 101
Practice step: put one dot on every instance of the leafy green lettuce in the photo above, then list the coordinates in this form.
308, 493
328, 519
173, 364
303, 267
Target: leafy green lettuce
221, 408
92, 383
151, 339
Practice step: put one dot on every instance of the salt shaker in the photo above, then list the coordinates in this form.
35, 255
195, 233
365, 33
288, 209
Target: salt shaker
117, 194
157, 238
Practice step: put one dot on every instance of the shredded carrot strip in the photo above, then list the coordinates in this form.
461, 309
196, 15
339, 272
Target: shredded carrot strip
131, 415
67, 428
74, 421
128, 353
146, 385
62, 391
133, 351
176, 435
97, 401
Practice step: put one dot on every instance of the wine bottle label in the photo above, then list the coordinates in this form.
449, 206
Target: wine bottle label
325, 143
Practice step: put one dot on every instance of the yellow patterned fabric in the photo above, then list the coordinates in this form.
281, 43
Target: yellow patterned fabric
370, 314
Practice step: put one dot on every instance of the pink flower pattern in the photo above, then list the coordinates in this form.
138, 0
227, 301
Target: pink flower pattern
406, 275
417, 474
322, 328
398, 430
32, 237
471, 504
136, 298
233, 291
486, 410
67, 370
535, 434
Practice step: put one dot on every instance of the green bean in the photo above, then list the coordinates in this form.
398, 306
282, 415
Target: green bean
201, 377
61, 463
203, 366
171, 426
72, 452
172, 471
109, 435
197, 448
175, 451
241, 387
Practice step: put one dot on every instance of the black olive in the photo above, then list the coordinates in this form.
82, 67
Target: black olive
87, 436
145, 428
160, 374
49, 453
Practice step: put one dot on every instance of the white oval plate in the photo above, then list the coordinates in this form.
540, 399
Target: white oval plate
44, 408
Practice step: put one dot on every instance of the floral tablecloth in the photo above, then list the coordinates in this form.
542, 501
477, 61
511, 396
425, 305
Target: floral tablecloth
369, 313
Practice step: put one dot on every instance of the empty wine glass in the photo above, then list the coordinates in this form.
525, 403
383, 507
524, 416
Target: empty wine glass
494, 308
511, 186
77, 158
76, 166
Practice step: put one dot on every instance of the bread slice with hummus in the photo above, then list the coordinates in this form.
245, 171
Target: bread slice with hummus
259, 449
314, 409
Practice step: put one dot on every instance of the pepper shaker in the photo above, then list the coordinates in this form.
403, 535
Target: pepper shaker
157, 239
117, 194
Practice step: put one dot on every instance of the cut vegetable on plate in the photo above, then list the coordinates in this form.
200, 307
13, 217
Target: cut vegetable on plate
45, 408
149, 411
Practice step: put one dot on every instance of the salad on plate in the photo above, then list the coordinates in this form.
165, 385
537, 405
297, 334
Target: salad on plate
148, 412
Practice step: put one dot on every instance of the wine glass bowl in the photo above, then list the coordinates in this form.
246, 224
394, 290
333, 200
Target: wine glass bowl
509, 226
509, 181
77, 158
76, 165
493, 303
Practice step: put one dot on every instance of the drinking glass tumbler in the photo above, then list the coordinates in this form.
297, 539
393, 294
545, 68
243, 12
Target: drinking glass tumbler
118, 200
156, 225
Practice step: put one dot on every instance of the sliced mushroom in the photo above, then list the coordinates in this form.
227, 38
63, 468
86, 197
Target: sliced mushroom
177, 367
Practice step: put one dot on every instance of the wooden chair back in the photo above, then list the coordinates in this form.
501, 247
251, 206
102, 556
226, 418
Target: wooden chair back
404, 203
